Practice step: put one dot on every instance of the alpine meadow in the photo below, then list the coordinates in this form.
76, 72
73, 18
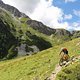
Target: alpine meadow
32, 50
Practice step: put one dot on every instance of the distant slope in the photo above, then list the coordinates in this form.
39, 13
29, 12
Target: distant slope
55, 36
41, 27
76, 34
38, 66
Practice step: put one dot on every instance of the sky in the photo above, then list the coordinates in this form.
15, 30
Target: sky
53, 13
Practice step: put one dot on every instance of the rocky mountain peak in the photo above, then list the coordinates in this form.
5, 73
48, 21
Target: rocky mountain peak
63, 32
12, 9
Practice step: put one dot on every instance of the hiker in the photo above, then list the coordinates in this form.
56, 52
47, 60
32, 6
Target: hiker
64, 54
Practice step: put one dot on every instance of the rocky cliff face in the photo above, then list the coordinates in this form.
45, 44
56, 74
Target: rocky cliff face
48, 31
40, 27
76, 34
62, 32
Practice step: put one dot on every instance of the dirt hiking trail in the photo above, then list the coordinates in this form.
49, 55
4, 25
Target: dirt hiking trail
58, 68
55, 72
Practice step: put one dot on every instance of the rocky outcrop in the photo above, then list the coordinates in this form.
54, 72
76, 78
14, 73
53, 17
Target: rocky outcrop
40, 27
62, 32
46, 30
76, 34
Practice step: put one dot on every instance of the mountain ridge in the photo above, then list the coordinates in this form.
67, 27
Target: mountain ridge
12, 9
34, 46
29, 34
33, 23
21, 38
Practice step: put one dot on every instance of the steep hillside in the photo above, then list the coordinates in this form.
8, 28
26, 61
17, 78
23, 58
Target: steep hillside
48, 31
32, 23
27, 39
18, 36
40, 27
55, 36
7, 32
27, 36
38, 66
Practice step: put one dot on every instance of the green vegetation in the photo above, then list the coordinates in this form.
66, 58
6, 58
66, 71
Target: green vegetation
14, 33
7, 32
23, 19
54, 39
12, 52
38, 66
72, 72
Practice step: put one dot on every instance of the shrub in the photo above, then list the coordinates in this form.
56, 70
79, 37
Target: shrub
12, 52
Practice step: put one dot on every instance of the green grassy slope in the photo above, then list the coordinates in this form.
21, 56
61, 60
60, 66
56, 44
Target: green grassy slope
72, 72
25, 27
54, 39
38, 66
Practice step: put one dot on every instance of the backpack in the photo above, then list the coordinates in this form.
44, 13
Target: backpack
65, 51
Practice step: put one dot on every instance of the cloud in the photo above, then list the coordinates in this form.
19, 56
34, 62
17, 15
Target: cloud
74, 26
41, 10
69, 16
26, 6
48, 14
44, 11
76, 12
66, 1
